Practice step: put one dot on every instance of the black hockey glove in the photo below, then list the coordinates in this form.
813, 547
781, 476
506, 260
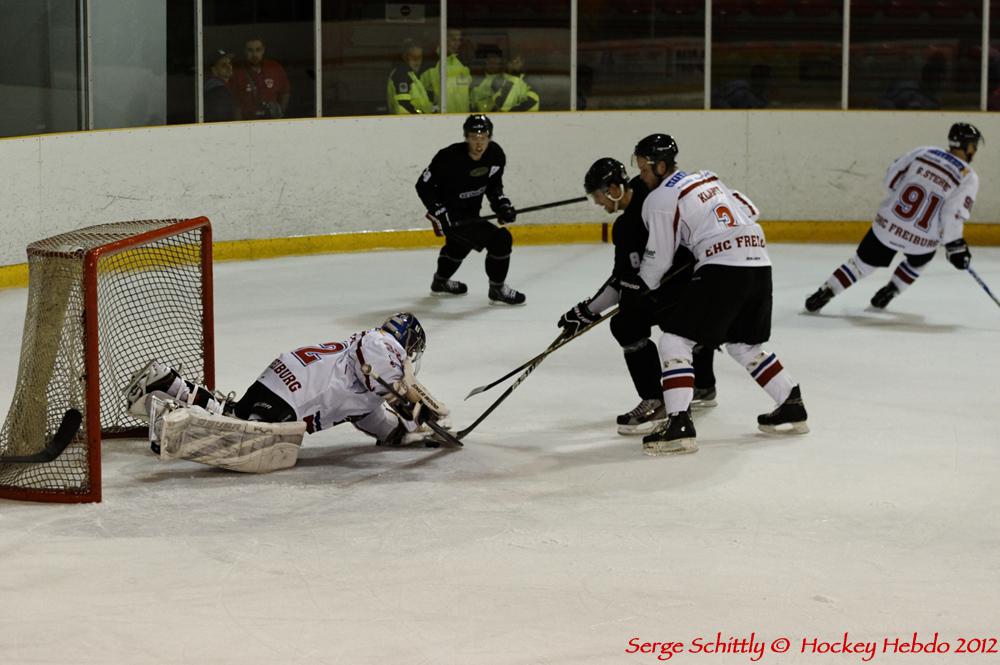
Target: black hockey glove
439, 219
633, 294
958, 253
505, 211
577, 319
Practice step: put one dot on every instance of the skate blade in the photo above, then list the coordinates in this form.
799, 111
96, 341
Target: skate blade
661, 448
499, 303
645, 428
786, 428
448, 294
704, 404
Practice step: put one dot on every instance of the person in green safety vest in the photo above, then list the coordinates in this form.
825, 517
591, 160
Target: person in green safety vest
522, 97
459, 78
404, 91
485, 92
504, 90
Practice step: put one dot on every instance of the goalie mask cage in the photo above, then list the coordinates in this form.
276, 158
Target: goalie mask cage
102, 302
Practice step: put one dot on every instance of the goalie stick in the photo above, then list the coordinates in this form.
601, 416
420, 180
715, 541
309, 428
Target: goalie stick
68, 428
979, 279
446, 436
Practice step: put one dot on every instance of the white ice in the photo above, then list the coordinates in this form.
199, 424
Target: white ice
549, 538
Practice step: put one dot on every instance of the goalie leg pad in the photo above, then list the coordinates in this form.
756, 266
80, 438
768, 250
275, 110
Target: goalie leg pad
194, 434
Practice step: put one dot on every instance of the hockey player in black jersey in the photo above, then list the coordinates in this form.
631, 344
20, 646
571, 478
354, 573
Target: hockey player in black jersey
608, 184
452, 190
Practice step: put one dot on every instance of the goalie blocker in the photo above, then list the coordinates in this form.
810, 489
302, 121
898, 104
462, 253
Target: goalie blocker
320, 386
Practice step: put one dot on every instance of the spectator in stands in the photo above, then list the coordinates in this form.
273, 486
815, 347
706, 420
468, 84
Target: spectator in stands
219, 103
522, 97
483, 95
458, 75
504, 90
919, 96
745, 93
260, 85
405, 92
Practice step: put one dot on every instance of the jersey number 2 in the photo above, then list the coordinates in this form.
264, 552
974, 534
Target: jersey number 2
310, 354
910, 203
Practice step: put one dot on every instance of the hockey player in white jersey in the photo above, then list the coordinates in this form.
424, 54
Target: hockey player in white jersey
321, 385
729, 298
930, 194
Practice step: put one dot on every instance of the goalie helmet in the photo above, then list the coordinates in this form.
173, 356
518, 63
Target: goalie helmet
962, 134
603, 173
408, 332
478, 123
658, 148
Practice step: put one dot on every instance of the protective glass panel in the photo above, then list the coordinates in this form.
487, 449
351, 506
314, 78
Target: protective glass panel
259, 59
640, 54
915, 54
374, 55
777, 53
39, 71
507, 57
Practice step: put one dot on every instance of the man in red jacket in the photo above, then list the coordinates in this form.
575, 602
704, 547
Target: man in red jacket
260, 85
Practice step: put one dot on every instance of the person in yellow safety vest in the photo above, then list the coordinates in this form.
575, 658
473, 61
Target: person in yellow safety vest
404, 91
485, 92
504, 91
458, 75
523, 96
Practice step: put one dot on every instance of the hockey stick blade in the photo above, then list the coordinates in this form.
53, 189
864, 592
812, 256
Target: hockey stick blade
981, 283
505, 394
484, 388
68, 428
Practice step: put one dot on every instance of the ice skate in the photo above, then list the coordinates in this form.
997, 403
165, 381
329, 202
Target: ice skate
819, 299
884, 296
674, 437
643, 419
704, 398
155, 376
501, 294
791, 412
447, 287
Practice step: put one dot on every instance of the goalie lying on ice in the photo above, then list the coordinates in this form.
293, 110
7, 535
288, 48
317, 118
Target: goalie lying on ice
304, 390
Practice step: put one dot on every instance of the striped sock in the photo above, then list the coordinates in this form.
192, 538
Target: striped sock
677, 382
848, 274
905, 275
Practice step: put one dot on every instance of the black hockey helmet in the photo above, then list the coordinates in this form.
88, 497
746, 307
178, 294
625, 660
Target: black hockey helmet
408, 332
477, 123
962, 134
658, 148
603, 173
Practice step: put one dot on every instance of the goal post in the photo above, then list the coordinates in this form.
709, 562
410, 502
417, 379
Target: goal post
102, 301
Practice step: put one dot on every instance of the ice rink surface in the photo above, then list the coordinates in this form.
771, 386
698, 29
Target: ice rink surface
549, 538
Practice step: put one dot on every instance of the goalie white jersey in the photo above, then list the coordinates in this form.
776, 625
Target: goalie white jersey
325, 383
700, 212
930, 197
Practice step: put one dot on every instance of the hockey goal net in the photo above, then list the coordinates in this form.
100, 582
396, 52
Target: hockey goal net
102, 301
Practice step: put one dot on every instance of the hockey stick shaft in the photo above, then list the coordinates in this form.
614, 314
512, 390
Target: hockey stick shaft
445, 435
68, 428
541, 206
981, 283
563, 340
559, 342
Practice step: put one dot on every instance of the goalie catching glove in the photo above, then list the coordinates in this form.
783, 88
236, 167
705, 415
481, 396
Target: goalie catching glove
417, 403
